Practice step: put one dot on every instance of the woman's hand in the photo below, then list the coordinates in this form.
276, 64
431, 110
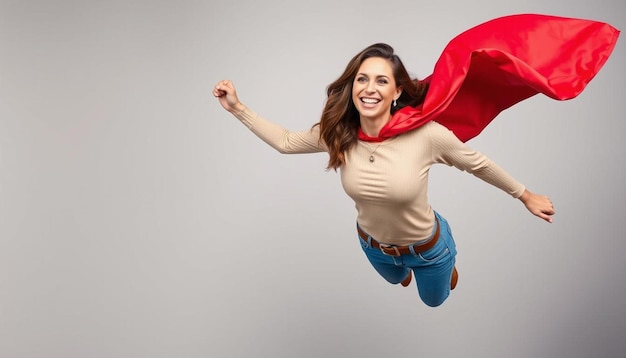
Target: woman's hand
539, 205
226, 94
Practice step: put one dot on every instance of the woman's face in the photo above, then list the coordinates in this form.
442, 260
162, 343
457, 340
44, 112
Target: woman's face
374, 89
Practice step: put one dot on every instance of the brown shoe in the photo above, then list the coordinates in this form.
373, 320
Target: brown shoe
454, 279
407, 280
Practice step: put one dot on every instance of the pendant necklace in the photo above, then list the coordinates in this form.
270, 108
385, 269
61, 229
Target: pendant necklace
372, 159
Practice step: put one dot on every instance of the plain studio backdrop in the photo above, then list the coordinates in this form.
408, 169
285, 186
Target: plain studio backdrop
139, 219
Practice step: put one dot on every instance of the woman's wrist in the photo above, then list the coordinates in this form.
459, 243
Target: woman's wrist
525, 195
237, 108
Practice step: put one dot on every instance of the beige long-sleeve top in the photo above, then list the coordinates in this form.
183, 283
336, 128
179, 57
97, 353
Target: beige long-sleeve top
391, 193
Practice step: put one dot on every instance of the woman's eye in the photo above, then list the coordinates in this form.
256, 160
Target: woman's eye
382, 82
361, 79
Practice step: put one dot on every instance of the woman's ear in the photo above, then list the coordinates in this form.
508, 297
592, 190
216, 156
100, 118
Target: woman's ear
398, 93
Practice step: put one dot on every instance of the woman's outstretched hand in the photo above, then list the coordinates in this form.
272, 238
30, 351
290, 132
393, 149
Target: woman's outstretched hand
539, 205
226, 94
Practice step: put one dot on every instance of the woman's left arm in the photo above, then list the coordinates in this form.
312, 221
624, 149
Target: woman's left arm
448, 149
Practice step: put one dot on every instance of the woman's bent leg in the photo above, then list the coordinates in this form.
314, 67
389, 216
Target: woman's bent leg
433, 268
433, 282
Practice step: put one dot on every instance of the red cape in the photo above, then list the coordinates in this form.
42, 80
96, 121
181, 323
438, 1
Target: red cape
501, 62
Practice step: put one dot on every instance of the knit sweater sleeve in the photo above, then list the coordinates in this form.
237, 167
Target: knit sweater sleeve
279, 138
448, 149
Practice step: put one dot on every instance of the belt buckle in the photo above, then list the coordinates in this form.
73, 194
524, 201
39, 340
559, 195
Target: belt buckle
395, 249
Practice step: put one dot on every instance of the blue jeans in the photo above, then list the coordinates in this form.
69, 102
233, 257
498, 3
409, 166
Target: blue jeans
432, 269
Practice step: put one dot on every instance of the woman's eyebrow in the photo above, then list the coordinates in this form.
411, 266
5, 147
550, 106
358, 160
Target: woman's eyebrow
377, 76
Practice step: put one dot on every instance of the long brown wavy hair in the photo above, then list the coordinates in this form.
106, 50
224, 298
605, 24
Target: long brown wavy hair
340, 122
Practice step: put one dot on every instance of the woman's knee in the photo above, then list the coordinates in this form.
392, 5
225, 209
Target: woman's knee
434, 300
393, 275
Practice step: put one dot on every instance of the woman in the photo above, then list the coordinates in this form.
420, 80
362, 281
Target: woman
398, 230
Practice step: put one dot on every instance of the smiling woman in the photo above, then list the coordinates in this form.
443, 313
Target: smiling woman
387, 174
373, 92
376, 69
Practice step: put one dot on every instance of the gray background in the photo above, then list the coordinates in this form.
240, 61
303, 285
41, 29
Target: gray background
139, 219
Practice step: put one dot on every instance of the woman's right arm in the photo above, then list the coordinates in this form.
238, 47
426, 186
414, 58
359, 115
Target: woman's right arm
276, 136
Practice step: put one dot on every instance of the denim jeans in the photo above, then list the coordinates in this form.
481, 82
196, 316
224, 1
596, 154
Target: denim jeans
432, 269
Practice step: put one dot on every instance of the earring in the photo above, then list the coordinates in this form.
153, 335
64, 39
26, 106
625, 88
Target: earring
395, 103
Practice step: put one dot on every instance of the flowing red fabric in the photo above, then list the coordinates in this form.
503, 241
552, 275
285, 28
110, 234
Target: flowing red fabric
494, 65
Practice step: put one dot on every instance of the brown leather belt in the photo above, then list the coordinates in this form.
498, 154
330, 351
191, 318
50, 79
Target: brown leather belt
393, 250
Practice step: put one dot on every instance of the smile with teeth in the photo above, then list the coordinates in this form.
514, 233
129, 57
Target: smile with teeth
370, 100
